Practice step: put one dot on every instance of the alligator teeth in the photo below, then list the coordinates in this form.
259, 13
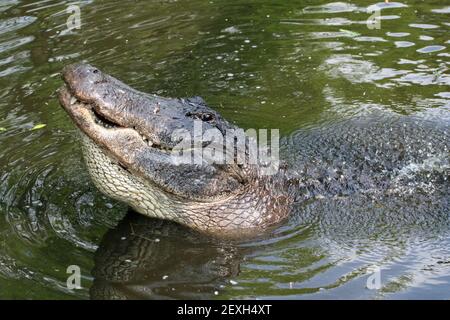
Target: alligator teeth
146, 140
73, 100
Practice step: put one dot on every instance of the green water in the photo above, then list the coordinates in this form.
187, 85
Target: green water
263, 64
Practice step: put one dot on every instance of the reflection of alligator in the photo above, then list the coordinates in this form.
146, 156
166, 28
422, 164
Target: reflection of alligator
145, 259
128, 136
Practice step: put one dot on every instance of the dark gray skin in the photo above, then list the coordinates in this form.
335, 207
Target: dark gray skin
127, 137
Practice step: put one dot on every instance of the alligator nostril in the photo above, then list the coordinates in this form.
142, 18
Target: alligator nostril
95, 71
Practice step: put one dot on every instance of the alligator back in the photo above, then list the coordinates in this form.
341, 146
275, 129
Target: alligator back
373, 171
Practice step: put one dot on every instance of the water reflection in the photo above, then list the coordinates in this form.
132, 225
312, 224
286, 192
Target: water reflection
152, 259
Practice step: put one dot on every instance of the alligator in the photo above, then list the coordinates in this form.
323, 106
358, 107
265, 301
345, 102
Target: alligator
128, 139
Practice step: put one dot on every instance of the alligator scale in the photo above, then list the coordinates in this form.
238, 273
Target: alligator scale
127, 138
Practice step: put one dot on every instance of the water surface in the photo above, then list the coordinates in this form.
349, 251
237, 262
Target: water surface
292, 65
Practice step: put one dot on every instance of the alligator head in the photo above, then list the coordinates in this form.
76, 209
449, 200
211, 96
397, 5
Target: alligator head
129, 139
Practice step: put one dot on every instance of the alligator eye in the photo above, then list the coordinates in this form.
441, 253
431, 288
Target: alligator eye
207, 117
203, 116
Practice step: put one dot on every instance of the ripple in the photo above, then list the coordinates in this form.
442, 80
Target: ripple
150, 23
64, 57
425, 79
387, 5
426, 38
322, 22
407, 61
397, 34
358, 71
423, 26
231, 30
12, 70
443, 95
6, 4
17, 57
370, 39
430, 49
16, 23
12, 44
333, 7
442, 10
404, 44
327, 35
390, 17
65, 230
